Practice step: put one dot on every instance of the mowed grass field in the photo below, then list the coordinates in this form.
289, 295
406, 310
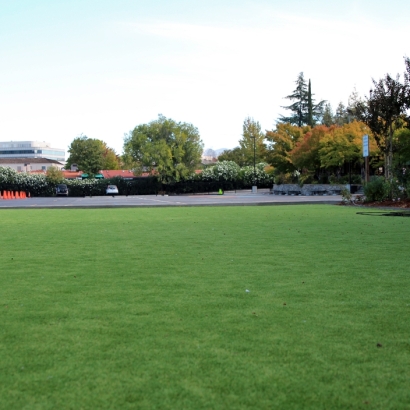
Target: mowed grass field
287, 307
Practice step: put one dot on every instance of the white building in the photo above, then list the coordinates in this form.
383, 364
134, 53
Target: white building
31, 149
30, 164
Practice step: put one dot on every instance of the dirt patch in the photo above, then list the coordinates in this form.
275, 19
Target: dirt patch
402, 204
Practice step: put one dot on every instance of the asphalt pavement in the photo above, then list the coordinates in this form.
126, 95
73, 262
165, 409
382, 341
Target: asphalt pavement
239, 198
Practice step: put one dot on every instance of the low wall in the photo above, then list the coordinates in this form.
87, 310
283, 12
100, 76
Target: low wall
308, 189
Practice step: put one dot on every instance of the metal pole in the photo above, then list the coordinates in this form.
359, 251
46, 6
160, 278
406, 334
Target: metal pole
254, 160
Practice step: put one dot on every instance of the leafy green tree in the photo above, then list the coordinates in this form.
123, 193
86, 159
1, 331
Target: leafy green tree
401, 139
304, 110
383, 112
170, 149
87, 153
252, 142
236, 155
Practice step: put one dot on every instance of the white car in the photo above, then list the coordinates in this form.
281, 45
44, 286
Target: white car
112, 190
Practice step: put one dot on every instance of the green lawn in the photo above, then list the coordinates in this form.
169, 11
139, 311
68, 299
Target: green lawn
149, 308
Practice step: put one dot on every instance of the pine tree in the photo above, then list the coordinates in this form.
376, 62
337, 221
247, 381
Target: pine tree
305, 111
298, 108
327, 117
310, 106
341, 116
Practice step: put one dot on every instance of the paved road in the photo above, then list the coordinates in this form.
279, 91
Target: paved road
229, 198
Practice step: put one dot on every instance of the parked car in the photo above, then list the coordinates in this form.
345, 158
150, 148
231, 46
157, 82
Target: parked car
62, 189
112, 190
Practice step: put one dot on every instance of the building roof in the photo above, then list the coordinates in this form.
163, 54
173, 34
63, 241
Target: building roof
23, 160
72, 174
112, 173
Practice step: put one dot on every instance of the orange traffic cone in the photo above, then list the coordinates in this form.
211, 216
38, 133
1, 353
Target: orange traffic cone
23, 195
7, 195
17, 195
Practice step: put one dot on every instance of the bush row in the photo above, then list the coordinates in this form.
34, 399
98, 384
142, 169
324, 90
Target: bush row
225, 175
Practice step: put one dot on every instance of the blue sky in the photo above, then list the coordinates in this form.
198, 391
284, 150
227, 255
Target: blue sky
102, 67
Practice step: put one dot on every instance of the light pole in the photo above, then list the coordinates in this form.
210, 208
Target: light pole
254, 187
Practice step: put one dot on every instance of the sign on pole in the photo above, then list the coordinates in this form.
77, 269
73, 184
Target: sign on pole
365, 145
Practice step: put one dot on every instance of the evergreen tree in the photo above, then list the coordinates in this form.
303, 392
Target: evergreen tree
310, 106
341, 116
327, 118
298, 108
352, 102
304, 110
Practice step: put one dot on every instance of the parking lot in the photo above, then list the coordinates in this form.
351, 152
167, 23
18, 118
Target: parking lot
263, 197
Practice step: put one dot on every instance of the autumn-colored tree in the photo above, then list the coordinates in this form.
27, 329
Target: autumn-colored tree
54, 175
281, 142
110, 159
305, 155
342, 145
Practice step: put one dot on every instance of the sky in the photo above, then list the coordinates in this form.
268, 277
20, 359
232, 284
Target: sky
101, 67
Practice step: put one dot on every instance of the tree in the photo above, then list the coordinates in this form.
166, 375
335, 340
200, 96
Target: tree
170, 149
236, 155
281, 142
54, 175
383, 111
110, 158
328, 118
352, 102
407, 90
87, 153
252, 140
343, 145
305, 111
341, 116
305, 155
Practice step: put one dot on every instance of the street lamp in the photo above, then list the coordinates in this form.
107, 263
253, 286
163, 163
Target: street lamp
254, 187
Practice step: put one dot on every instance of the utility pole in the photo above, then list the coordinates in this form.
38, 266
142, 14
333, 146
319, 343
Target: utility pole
254, 187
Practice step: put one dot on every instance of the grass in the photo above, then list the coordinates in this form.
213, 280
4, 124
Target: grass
147, 308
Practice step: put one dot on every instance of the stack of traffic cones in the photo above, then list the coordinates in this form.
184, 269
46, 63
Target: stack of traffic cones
14, 195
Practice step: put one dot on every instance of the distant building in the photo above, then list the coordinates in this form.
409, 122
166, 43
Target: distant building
31, 149
30, 164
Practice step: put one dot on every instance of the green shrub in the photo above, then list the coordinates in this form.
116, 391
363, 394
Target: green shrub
377, 189
346, 195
